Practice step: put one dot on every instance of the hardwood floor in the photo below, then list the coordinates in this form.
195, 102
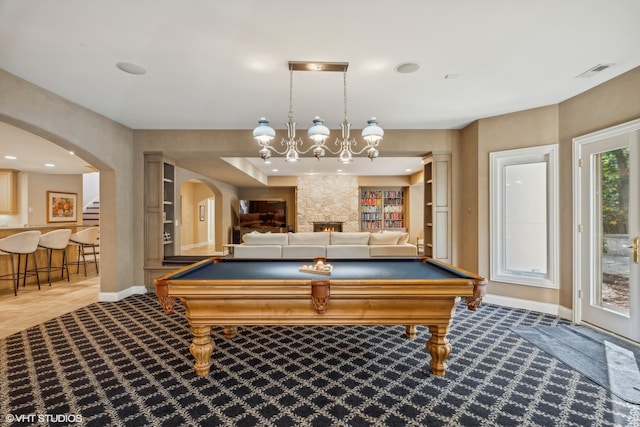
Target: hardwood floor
32, 307
200, 250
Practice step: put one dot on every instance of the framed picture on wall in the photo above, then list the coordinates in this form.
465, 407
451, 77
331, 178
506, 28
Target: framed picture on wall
62, 207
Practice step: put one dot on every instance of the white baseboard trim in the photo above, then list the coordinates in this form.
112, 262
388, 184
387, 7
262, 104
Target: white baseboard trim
542, 307
117, 296
565, 313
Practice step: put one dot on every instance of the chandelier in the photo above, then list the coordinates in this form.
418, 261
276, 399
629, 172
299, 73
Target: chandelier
318, 133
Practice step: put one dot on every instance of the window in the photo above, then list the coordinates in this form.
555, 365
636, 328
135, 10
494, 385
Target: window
524, 216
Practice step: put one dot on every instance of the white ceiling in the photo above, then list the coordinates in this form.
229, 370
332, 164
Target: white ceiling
331, 166
35, 154
223, 65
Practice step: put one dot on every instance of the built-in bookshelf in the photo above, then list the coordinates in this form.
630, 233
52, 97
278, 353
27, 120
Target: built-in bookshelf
382, 209
160, 214
428, 206
437, 206
168, 209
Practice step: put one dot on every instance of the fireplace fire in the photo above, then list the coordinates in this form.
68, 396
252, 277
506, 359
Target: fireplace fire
327, 226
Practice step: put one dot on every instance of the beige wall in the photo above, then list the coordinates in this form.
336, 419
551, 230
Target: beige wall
32, 197
101, 142
415, 212
465, 201
611, 103
517, 130
38, 186
202, 194
225, 199
188, 215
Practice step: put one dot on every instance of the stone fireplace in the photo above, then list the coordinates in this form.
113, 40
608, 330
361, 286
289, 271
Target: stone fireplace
327, 199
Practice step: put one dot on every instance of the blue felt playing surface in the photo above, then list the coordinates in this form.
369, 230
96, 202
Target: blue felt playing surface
368, 269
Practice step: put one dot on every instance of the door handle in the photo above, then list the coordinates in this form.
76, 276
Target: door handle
635, 246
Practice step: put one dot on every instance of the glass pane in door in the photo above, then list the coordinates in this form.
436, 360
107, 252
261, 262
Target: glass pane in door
611, 280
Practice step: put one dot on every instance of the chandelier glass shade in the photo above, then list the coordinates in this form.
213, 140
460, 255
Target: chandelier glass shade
318, 132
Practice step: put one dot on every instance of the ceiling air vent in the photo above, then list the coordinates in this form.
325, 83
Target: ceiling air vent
593, 71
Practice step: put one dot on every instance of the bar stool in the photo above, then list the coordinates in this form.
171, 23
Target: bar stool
56, 240
23, 243
83, 239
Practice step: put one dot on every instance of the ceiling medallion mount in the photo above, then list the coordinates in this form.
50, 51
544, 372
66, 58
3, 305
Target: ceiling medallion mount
318, 133
318, 66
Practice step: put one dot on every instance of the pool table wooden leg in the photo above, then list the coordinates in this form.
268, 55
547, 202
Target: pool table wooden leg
230, 331
439, 348
167, 304
410, 331
201, 348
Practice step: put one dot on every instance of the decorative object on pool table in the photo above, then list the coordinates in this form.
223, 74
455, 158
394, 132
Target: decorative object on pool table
318, 268
231, 292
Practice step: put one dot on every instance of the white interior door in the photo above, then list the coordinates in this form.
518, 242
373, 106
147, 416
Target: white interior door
608, 223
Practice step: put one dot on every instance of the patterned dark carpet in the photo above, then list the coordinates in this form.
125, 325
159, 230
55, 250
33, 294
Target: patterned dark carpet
127, 364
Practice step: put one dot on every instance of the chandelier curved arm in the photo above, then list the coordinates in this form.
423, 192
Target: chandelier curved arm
319, 133
353, 143
286, 143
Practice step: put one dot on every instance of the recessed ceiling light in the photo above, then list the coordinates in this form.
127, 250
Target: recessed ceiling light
408, 67
339, 170
50, 165
130, 68
274, 170
10, 157
407, 170
72, 153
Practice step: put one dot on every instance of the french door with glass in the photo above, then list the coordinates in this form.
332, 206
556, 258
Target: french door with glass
607, 216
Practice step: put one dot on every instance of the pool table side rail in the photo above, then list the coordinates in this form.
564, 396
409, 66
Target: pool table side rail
170, 286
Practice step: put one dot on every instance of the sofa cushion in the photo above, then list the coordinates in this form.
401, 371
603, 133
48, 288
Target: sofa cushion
304, 251
393, 250
403, 239
347, 251
258, 251
257, 239
350, 238
384, 238
309, 238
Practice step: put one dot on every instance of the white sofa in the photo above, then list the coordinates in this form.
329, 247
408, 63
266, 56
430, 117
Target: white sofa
330, 245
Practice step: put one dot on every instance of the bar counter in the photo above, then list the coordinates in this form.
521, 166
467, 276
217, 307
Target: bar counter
6, 285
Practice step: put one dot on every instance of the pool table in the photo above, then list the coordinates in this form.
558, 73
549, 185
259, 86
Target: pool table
400, 291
